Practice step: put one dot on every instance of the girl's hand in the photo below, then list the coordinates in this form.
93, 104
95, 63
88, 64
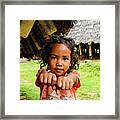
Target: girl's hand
46, 77
64, 83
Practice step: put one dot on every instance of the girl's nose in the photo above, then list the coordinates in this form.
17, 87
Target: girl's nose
59, 62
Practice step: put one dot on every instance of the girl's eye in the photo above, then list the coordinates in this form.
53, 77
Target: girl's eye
52, 57
65, 58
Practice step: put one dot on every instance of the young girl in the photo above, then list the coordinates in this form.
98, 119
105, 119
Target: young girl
60, 80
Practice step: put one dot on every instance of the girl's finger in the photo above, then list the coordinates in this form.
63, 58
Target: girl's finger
59, 82
63, 84
54, 79
67, 85
50, 90
70, 83
41, 78
49, 78
45, 77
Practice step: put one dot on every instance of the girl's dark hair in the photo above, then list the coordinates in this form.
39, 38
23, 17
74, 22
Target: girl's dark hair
69, 42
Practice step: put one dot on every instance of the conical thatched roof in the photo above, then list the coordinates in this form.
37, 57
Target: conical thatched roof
85, 31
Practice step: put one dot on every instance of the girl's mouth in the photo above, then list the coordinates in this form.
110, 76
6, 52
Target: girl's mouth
58, 70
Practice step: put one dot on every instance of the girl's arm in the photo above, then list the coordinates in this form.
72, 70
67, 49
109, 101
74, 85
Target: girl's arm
75, 77
44, 80
37, 82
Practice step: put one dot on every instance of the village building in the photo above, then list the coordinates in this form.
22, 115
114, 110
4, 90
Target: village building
35, 33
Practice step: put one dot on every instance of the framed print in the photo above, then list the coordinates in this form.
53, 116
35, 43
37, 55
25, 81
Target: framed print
72, 43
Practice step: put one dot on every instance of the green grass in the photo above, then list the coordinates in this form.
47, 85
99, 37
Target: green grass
27, 80
90, 80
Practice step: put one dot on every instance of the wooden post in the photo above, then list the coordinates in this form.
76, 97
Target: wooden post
80, 49
35, 41
90, 50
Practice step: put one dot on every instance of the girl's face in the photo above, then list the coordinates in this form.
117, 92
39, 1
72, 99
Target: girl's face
59, 59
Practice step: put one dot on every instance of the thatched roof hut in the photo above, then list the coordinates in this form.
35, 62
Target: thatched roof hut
35, 33
85, 31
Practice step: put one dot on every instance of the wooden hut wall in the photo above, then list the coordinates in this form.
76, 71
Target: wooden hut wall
89, 51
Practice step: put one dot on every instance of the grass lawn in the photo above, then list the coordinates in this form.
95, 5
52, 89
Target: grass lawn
90, 80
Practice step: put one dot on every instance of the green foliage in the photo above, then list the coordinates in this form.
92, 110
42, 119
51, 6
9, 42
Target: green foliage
90, 80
